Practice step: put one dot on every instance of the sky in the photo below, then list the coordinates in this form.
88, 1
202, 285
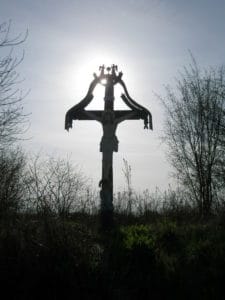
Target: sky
149, 40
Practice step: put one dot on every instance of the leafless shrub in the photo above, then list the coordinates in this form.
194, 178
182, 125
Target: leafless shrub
55, 186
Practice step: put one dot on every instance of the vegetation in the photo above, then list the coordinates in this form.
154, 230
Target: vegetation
141, 258
58, 249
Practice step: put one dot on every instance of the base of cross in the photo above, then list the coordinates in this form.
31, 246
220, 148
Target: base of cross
106, 196
106, 221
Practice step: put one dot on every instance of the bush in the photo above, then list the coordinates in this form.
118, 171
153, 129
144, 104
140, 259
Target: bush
12, 164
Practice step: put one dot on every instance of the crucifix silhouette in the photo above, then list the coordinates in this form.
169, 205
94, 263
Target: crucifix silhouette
109, 118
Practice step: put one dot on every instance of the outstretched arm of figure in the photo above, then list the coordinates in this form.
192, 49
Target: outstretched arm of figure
94, 115
127, 116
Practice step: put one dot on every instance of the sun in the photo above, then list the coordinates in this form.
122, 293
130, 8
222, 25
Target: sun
84, 76
80, 75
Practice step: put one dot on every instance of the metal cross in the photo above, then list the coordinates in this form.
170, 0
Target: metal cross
109, 118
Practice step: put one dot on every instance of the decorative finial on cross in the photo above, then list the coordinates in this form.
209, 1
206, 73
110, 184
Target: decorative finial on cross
114, 68
109, 118
102, 69
111, 73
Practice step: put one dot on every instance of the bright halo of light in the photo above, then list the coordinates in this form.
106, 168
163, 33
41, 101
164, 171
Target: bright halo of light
83, 75
80, 75
91, 65
103, 81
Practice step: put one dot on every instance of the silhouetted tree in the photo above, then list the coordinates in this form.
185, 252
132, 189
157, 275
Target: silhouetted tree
12, 118
194, 132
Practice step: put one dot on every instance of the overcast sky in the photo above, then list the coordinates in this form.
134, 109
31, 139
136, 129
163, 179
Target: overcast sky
148, 40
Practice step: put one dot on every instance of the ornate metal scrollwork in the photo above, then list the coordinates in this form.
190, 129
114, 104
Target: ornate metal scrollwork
111, 78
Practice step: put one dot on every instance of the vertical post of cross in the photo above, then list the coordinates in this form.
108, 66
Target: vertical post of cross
108, 144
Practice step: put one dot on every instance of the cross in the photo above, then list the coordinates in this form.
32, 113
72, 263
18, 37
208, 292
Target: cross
109, 118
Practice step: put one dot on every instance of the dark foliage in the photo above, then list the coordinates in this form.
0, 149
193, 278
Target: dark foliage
70, 259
